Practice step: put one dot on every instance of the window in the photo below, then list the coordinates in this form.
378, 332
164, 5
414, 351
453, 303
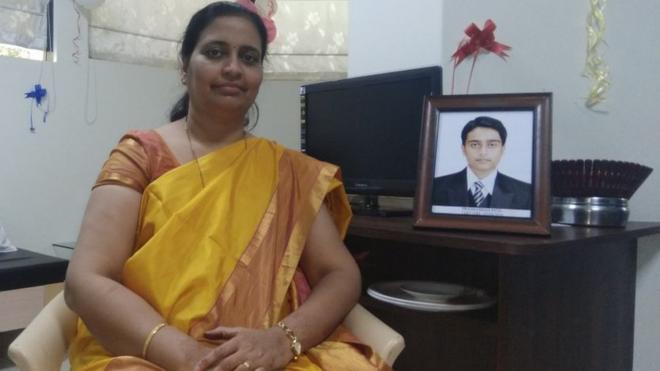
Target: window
311, 41
26, 28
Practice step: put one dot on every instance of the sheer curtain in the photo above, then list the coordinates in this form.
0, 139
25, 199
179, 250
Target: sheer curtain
24, 23
310, 44
311, 40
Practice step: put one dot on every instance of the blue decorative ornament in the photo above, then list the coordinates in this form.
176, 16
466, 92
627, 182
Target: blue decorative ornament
38, 94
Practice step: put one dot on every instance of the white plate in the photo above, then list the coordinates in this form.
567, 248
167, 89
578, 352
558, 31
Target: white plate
392, 293
434, 291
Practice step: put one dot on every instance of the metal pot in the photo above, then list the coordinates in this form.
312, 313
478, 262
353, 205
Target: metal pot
590, 211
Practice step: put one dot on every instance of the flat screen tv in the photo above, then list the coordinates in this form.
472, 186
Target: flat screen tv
370, 126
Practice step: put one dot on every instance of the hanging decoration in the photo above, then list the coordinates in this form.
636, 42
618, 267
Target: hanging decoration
81, 6
265, 9
595, 67
38, 95
40, 98
83, 9
478, 41
75, 55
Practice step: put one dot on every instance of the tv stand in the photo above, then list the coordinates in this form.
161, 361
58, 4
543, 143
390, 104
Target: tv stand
369, 206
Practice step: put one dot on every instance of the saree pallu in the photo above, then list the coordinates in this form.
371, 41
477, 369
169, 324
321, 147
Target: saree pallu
227, 253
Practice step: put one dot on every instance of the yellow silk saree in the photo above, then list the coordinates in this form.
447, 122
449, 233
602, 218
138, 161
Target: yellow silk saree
227, 253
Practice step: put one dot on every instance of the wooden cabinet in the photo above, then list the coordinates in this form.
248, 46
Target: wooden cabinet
564, 303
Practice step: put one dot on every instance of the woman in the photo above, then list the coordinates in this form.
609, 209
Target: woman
199, 240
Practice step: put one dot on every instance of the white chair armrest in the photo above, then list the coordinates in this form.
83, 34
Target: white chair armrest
43, 344
375, 333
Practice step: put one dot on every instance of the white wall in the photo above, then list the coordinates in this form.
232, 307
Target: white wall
548, 40
279, 104
392, 35
45, 177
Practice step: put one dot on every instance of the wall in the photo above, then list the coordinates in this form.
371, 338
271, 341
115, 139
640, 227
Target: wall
46, 176
548, 40
391, 36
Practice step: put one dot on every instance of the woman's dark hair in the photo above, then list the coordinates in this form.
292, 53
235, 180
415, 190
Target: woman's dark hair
198, 23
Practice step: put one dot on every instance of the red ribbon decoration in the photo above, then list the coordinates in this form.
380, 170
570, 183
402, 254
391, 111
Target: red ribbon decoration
477, 40
267, 19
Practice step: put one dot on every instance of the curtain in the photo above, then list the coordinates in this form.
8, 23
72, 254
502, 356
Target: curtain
24, 23
311, 40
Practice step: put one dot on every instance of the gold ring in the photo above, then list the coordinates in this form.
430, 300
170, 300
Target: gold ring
246, 364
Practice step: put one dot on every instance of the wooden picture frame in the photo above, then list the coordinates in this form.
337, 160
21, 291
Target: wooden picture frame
501, 140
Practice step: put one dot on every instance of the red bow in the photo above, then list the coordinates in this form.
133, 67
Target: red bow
271, 30
478, 39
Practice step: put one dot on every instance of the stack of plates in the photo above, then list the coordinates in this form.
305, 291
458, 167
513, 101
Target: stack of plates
430, 296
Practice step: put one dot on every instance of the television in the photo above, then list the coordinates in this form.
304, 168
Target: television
370, 127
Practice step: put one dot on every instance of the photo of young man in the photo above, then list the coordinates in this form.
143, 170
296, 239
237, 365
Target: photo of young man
480, 184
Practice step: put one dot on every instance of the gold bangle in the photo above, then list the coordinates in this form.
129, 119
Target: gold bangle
296, 347
147, 341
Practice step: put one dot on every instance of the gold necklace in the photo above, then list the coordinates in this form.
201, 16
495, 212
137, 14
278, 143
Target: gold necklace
192, 152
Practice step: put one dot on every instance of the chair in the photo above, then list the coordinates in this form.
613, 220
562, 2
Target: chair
43, 345
375, 333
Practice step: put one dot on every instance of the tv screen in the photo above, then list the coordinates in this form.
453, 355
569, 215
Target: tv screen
369, 126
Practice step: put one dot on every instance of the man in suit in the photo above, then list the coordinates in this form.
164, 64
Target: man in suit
480, 184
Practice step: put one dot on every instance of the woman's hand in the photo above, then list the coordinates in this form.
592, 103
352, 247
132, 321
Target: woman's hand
335, 280
245, 349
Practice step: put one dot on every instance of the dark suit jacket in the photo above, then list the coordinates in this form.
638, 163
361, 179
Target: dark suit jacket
508, 193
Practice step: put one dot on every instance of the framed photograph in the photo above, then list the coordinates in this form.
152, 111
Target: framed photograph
484, 163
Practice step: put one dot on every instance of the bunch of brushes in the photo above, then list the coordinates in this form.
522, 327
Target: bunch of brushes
597, 178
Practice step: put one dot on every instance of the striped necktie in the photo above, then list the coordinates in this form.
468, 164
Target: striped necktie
477, 193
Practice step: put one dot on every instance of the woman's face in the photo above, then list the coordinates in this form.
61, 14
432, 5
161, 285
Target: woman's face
225, 70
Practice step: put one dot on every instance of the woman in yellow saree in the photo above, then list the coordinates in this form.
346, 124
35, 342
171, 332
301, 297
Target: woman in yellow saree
204, 248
